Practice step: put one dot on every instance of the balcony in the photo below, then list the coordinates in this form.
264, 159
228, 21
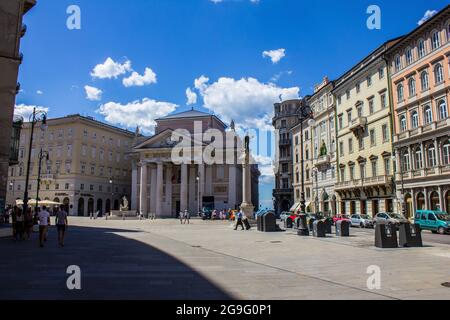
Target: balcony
358, 124
282, 192
376, 181
323, 161
47, 178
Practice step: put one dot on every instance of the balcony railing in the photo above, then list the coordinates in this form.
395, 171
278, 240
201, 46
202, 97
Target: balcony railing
323, 160
358, 124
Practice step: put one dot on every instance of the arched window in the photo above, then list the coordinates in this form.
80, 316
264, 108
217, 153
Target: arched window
403, 125
446, 153
442, 108
431, 156
398, 63
427, 115
421, 48
425, 82
438, 74
412, 87
409, 56
400, 95
405, 161
435, 40
414, 120
418, 159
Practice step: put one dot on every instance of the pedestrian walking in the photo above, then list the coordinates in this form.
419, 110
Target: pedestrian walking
20, 220
44, 223
239, 222
61, 224
187, 217
28, 224
14, 220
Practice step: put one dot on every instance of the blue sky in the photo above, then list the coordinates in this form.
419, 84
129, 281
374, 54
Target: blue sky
178, 41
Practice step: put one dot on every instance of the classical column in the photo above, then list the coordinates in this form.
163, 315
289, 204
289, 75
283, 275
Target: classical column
232, 182
441, 199
437, 151
184, 187
209, 184
153, 190
169, 189
159, 189
143, 192
134, 186
201, 184
192, 189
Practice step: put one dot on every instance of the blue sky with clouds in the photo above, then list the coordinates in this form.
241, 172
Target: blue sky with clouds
133, 61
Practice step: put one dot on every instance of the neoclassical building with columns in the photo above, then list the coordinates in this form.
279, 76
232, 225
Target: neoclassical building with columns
163, 187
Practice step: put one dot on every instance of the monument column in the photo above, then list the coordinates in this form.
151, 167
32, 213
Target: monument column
143, 192
184, 187
134, 185
232, 183
159, 189
201, 184
247, 206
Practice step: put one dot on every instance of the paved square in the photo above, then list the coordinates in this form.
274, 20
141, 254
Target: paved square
209, 260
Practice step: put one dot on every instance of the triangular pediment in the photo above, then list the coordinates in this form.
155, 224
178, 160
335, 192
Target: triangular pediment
162, 140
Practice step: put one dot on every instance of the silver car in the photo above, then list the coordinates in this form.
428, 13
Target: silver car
361, 221
390, 218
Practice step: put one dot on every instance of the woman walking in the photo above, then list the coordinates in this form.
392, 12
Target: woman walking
28, 224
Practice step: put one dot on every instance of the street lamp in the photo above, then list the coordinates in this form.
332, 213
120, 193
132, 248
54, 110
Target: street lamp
399, 167
43, 155
198, 194
304, 113
35, 117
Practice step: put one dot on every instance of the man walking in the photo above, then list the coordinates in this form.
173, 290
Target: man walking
187, 217
61, 225
44, 223
239, 221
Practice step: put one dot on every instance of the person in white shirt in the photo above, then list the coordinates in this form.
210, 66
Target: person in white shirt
44, 223
61, 224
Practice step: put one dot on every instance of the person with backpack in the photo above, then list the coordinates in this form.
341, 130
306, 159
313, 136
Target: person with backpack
239, 222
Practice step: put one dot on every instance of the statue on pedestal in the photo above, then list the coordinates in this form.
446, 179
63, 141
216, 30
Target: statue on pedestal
124, 206
247, 206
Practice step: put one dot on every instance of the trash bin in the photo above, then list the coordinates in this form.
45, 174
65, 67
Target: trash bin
311, 224
269, 222
386, 236
288, 224
259, 225
328, 225
410, 235
319, 229
302, 226
343, 228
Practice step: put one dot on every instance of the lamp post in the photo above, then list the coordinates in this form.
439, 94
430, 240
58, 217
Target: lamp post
303, 114
198, 194
35, 117
43, 155
111, 184
316, 197
399, 167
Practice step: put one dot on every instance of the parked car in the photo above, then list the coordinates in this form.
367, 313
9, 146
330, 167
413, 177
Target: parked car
436, 221
362, 221
288, 215
340, 217
389, 218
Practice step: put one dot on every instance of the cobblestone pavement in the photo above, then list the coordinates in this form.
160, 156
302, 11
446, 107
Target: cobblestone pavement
209, 260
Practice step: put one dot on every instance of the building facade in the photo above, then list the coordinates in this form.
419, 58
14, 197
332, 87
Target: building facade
11, 16
419, 66
323, 136
163, 186
88, 170
364, 137
286, 118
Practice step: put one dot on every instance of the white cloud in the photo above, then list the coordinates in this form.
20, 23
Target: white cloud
277, 76
200, 83
275, 55
191, 97
247, 101
111, 69
138, 80
93, 93
137, 113
39, 92
25, 111
428, 14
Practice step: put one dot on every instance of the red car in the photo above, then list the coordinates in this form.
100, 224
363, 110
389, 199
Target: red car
340, 217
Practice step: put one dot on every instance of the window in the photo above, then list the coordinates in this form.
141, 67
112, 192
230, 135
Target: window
348, 94
403, 125
438, 74
383, 101
418, 160
414, 120
341, 148
85, 133
431, 156
400, 95
283, 124
94, 152
427, 115
352, 173
372, 137
406, 164
349, 116
350, 145
91, 187
84, 150
369, 81
92, 170
381, 73
425, 82
358, 87
374, 169
446, 154
387, 166
57, 186
66, 186
360, 111
409, 56
398, 63
69, 150
421, 48
371, 106
385, 132
442, 107
68, 167
361, 142
412, 87
83, 169
342, 173
340, 123
435, 40
82, 186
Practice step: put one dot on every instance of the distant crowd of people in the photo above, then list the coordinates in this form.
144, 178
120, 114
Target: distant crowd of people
25, 223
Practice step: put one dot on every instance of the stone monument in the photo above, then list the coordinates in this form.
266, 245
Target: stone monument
247, 206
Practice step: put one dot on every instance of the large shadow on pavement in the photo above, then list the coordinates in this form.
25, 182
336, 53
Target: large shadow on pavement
112, 267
